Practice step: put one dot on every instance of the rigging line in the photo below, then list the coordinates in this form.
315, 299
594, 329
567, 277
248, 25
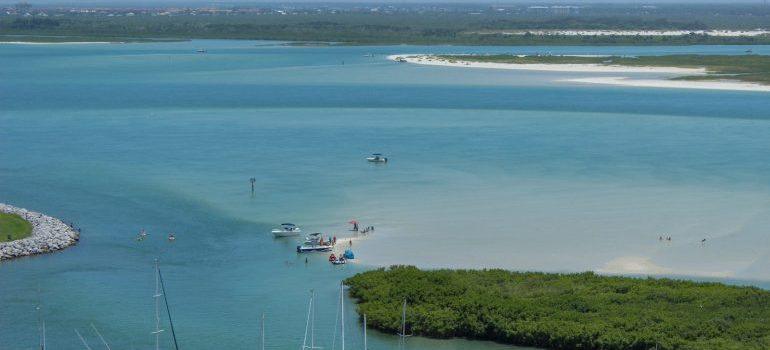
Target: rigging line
168, 310
82, 340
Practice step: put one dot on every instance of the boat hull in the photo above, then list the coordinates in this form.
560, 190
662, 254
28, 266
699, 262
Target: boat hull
281, 233
313, 248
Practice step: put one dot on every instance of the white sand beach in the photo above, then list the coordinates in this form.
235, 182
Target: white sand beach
673, 84
587, 68
578, 32
656, 82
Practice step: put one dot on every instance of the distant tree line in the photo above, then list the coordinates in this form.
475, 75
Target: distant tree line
356, 28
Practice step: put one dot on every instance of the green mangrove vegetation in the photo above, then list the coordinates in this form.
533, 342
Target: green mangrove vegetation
750, 68
414, 24
565, 311
13, 227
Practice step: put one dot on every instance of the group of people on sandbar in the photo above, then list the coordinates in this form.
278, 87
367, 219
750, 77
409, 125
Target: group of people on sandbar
356, 228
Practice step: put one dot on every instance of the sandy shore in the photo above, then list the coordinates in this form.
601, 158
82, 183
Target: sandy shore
599, 68
673, 84
585, 68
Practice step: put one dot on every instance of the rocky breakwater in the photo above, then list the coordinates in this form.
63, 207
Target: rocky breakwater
48, 235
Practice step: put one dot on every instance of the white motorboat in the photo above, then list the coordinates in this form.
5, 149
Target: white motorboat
377, 158
315, 243
286, 230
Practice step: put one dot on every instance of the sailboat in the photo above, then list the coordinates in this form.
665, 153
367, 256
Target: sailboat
310, 325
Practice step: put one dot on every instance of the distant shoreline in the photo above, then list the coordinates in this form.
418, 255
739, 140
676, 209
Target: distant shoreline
58, 42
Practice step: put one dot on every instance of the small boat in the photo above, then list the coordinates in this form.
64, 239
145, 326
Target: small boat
200, 50
315, 242
171, 237
313, 248
286, 230
377, 158
340, 261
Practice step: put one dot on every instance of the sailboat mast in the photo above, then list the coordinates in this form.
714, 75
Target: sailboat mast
168, 309
100, 337
342, 311
307, 322
157, 306
403, 320
83, 340
262, 332
312, 320
41, 327
365, 347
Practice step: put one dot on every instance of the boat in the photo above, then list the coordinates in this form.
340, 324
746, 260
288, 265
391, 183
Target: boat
337, 260
349, 254
171, 237
377, 158
315, 243
286, 230
200, 50
313, 248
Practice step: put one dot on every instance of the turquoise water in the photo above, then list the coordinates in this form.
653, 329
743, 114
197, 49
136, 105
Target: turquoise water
488, 168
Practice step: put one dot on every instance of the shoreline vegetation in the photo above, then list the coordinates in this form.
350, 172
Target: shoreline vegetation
564, 311
413, 24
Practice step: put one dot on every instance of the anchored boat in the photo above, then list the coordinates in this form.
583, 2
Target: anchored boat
287, 230
315, 242
377, 158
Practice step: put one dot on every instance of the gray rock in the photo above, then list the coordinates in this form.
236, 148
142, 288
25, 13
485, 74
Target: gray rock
48, 235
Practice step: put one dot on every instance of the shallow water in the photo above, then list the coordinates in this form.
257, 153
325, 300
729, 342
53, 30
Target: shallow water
488, 168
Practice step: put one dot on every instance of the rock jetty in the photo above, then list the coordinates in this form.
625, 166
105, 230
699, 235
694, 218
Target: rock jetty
48, 235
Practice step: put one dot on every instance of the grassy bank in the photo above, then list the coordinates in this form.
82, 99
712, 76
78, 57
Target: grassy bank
565, 311
751, 68
13, 227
